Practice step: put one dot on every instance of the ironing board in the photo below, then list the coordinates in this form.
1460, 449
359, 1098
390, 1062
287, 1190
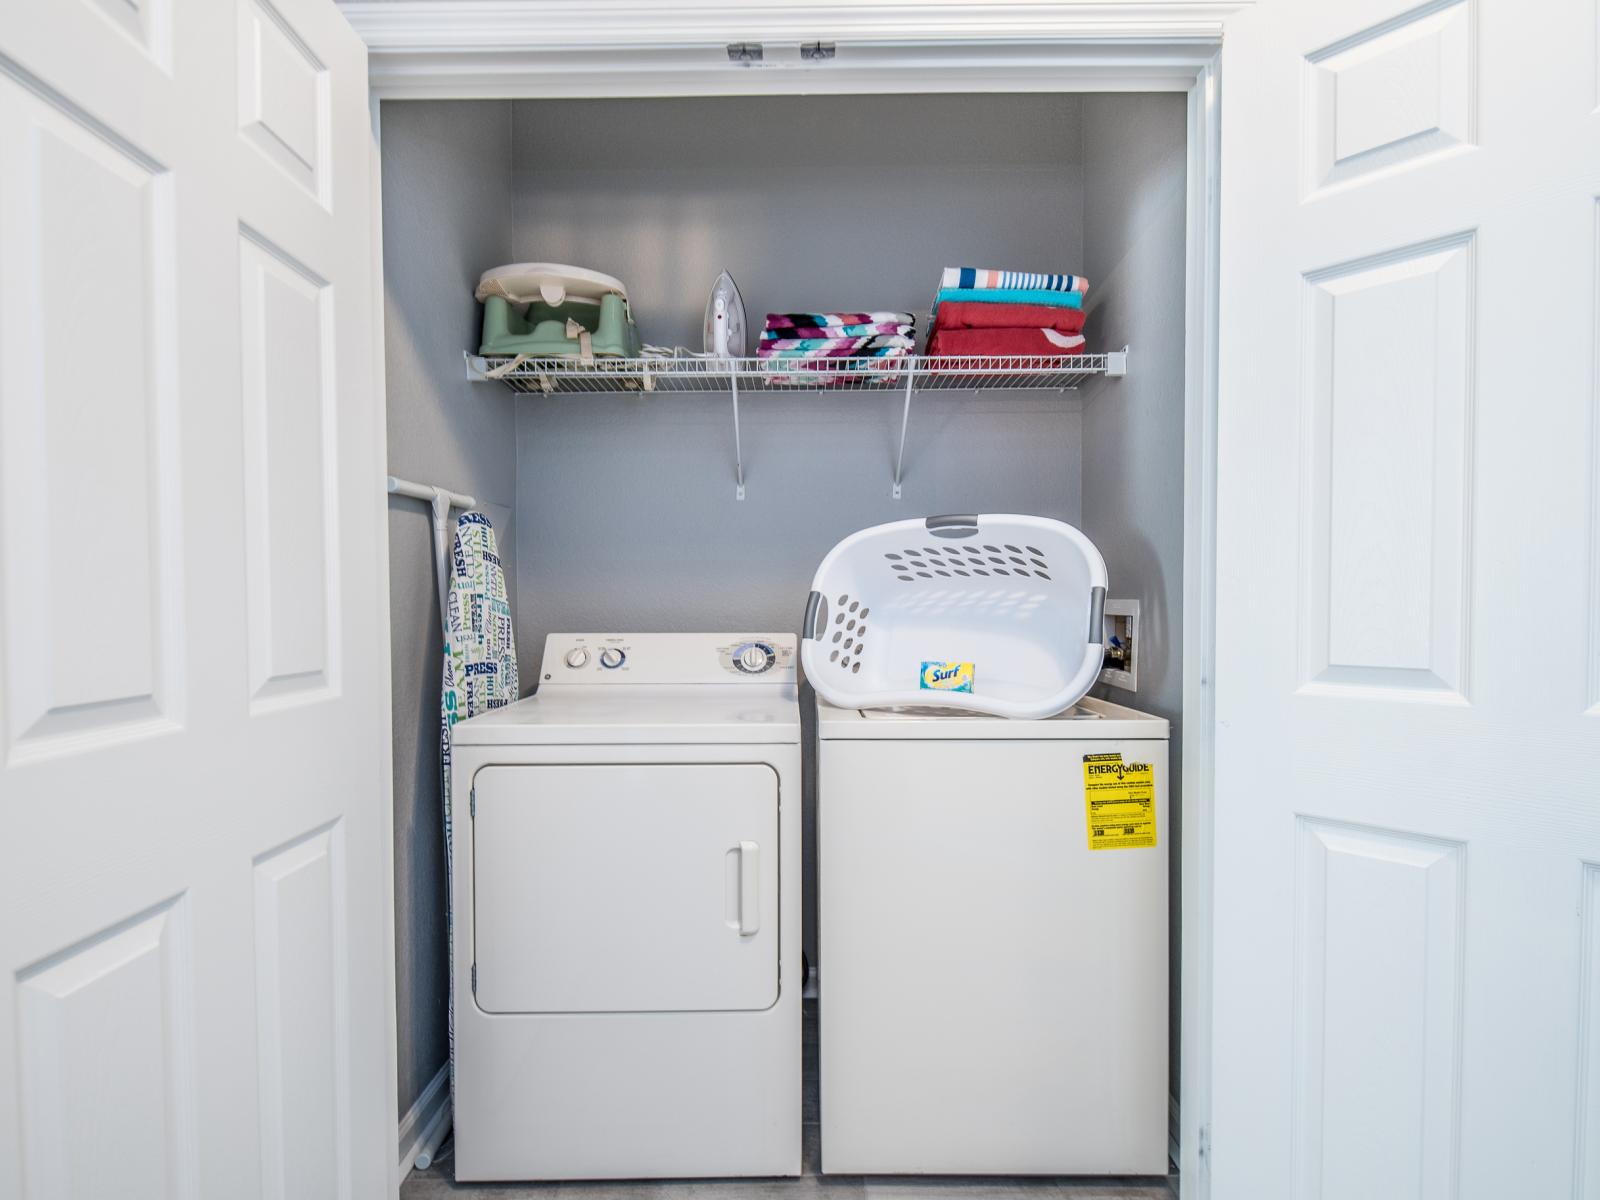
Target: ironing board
480, 669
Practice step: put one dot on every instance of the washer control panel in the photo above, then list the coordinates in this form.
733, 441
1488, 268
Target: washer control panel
753, 658
765, 656
682, 658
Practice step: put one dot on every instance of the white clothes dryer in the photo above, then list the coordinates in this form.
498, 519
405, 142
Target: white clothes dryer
992, 942
627, 914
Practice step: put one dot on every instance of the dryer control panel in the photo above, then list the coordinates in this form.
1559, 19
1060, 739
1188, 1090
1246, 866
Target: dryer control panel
678, 658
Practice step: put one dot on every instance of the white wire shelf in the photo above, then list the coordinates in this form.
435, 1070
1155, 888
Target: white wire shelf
710, 375
731, 376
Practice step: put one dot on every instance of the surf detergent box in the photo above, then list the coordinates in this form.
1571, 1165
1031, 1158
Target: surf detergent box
947, 676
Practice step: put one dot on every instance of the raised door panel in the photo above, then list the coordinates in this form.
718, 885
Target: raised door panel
147, 23
302, 963
612, 888
1388, 397
290, 461
1587, 1164
284, 97
1593, 682
1395, 95
89, 460
1378, 971
107, 1075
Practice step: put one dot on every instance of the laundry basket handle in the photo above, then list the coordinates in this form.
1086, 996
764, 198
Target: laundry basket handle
953, 526
816, 617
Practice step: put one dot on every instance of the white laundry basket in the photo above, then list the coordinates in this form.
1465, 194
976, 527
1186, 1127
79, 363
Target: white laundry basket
1020, 598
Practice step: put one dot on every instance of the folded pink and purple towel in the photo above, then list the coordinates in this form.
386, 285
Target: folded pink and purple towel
815, 320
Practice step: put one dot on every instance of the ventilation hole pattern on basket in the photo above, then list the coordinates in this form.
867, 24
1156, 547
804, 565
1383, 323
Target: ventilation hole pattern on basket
850, 634
1011, 602
949, 562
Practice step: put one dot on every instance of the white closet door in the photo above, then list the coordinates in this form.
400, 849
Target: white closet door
193, 689
1407, 870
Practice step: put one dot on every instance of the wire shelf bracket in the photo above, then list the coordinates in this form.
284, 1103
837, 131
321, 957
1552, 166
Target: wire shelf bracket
738, 450
739, 377
905, 421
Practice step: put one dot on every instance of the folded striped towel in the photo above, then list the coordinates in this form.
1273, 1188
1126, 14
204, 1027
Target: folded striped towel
813, 320
984, 277
1009, 296
836, 331
835, 345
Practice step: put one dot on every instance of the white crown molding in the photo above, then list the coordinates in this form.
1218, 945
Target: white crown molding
547, 24
502, 48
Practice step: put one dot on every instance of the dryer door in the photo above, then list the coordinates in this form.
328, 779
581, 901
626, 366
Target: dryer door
622, 888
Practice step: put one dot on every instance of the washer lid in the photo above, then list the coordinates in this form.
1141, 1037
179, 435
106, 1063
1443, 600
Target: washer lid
651, 714
1090, 720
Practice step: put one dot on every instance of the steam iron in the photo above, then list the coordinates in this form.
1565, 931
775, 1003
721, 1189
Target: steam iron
725, 323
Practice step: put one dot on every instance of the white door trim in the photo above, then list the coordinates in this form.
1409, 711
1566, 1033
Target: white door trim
1199, 628
380, 436
624, 25
540, 49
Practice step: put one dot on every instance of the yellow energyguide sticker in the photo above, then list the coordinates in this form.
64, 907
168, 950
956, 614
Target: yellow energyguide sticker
1119, 801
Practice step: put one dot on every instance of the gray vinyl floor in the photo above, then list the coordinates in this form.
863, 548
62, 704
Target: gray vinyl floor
439, 1180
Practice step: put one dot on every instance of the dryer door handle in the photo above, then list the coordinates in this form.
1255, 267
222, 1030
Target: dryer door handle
749, 888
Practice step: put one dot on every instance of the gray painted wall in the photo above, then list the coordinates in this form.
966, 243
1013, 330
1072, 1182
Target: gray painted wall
822, 202
625, 506
628, 513
446, 209
625, 516
1135, 162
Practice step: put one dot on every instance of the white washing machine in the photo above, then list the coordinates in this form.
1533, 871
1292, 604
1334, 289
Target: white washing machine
627, 914
993, 989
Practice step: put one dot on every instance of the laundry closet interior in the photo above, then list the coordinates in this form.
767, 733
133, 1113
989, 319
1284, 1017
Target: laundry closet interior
620, 510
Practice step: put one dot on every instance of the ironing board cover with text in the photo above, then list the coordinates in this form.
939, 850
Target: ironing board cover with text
480, 666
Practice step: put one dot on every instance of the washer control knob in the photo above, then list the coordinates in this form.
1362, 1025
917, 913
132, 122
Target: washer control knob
755, 658
577, 657
611, 658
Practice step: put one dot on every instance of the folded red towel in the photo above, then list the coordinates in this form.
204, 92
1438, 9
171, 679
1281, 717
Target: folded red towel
961, 314
962, 343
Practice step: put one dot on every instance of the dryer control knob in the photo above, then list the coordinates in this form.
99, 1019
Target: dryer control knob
577, 657
755, 658
612, 658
